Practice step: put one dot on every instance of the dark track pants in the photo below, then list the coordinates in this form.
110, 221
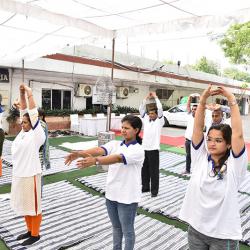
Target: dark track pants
188, 155
150, 171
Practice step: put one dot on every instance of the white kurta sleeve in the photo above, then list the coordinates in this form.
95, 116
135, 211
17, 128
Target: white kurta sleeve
142, 108
39, 132
22, 112
159, 108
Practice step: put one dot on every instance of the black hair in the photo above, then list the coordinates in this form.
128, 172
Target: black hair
135, 122
28, 117
227, 136
42, 113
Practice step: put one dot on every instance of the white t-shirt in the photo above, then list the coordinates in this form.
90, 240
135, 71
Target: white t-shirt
151, 129
190, 123
152, 133
25, 148
190, 127
124, 179
211, 206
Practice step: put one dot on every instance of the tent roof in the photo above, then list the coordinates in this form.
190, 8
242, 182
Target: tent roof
33, 28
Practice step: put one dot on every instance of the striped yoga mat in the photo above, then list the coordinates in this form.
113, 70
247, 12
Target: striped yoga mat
170, 197
56, 161
150, 234
57, 165
169, 160
72, 217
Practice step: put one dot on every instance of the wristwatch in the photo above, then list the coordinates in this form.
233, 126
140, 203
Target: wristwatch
96, 162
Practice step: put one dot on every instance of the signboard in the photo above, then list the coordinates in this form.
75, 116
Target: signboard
4, 75
102, 97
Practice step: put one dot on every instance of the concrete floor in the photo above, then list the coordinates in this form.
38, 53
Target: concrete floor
178, 131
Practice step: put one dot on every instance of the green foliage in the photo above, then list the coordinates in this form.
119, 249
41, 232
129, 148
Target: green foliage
244, 85
124, 110
236, 43
67, 112
236, 74
168, 62
14, 114
94, 110
207, 66
61, 112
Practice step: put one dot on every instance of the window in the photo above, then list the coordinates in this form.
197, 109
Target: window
66, 99
175, 110
46, 99
164, 93
56, 99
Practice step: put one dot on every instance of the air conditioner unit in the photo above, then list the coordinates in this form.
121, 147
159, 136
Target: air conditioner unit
122, 92
84, 90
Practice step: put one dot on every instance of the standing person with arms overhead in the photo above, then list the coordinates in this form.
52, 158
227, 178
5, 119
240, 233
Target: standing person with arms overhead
26, 173
218, 114
44, 150
211, 206
153, 122
1, 138
123, 187
188, 133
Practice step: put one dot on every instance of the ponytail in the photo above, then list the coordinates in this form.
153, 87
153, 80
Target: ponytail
138, 139
223, 159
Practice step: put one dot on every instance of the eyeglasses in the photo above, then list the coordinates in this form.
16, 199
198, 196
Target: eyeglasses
215, 140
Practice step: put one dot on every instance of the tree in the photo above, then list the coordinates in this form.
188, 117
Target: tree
207, 66
168, 62
236, 74
236, 43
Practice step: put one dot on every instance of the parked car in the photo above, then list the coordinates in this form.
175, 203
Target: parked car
176, 115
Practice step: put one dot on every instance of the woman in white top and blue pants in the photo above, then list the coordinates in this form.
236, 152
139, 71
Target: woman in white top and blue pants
210, 205
123, 188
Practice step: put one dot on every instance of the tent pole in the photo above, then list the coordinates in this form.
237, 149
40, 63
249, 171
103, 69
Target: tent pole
109, 110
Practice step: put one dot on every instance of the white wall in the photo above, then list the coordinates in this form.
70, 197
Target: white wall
42, 80
134, 99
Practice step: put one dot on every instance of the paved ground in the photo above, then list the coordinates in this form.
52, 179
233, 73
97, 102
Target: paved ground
177, 131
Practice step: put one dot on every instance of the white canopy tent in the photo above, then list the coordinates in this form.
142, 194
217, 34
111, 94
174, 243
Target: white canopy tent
34, 28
